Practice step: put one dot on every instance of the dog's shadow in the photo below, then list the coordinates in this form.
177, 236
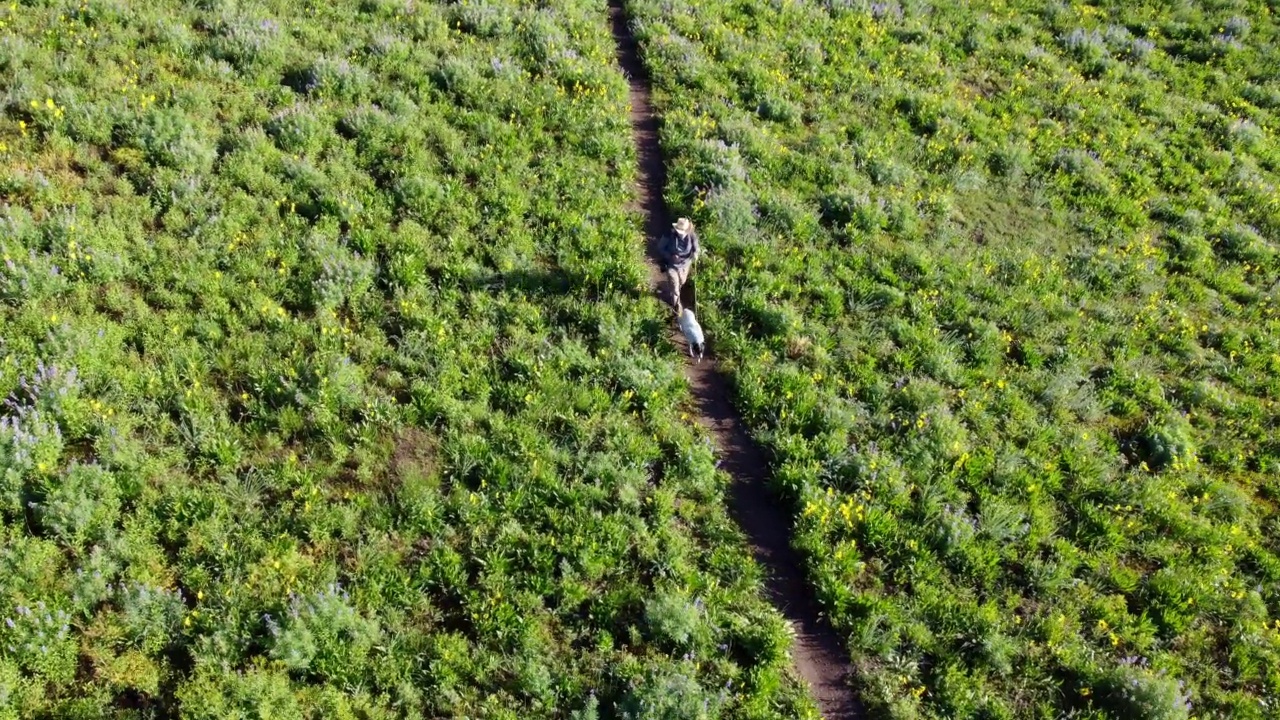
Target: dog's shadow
689, 295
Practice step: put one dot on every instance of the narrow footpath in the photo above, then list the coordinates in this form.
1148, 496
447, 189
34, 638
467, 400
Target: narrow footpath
819, 658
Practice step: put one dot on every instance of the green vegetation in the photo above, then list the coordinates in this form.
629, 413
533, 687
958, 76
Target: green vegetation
997, 284
329, 387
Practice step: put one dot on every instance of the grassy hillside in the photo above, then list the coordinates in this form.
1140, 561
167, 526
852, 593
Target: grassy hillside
329, 388
998, 282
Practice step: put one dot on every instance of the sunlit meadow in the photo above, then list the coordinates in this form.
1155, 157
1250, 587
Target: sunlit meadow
997, 286
328, 386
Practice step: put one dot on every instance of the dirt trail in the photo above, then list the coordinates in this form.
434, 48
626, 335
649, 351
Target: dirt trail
817, 653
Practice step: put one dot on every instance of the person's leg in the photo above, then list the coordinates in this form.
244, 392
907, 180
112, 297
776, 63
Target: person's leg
676, 278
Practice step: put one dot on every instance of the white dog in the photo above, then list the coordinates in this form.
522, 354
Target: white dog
692, 333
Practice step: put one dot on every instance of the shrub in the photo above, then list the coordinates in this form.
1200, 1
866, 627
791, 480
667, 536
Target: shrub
28, 443
171, 140
297, 130
258, 692
344, 278
1136, 691
331, 78
674, 621
251, 44
148, 615
39, 640
671, 694
80, 507
323, 635
1167, 442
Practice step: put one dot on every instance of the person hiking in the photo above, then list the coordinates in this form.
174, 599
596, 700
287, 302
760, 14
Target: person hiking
678, 251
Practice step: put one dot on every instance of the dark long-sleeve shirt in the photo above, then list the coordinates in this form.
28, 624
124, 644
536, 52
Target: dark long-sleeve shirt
678, 251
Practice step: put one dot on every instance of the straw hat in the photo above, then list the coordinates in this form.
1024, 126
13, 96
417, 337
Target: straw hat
683, 226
